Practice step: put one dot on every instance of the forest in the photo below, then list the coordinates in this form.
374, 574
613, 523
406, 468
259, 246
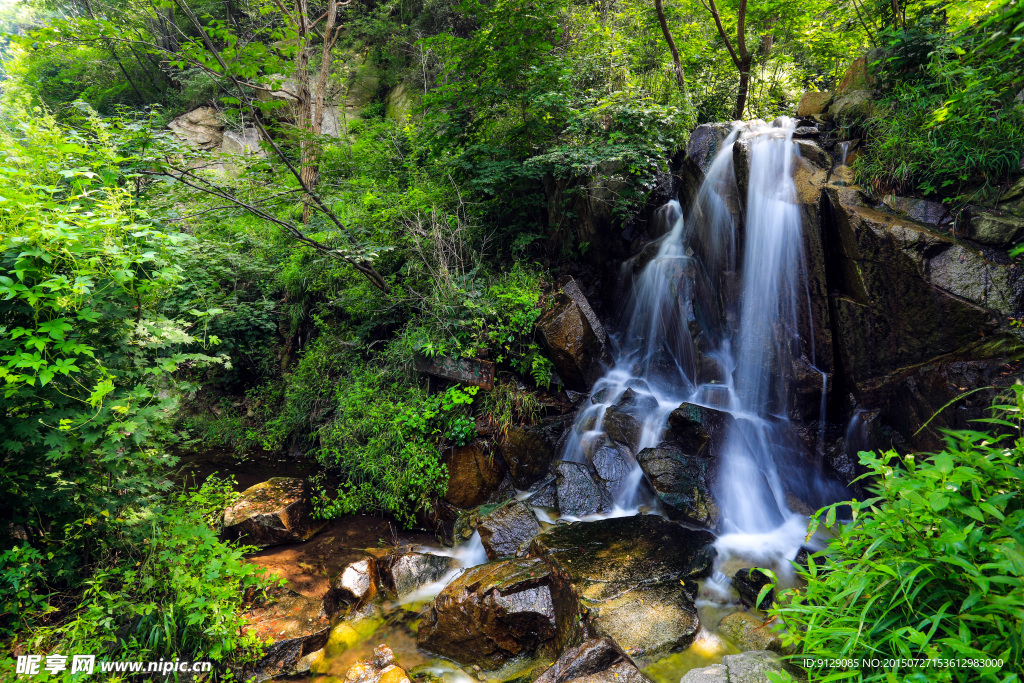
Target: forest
438, 341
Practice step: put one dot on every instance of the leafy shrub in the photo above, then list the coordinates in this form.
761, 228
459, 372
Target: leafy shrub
948, 122
932, 567
383, 444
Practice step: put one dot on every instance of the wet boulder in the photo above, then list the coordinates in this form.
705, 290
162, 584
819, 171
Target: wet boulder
747, 667
600, 660
697, 431
932, 214
748, 583
356, 584
994, 228
508, 529
682, 483
612, 462
491, 613
630, 578
621, 427
474, 475
578, 493
270, 513
574, 337
529, 452
747, 632
401, 574
294, 624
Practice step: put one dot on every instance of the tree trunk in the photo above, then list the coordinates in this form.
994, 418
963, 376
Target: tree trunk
677, 64
741, 96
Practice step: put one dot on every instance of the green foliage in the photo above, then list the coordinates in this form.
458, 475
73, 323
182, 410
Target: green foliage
948, 123
383, 444
931, 567
173, 590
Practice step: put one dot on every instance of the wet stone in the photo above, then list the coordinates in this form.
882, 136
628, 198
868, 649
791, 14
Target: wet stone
491, 613
575, 338
629, 578
696, 430
356, 584
273, 512
748, 583
747, 632
622, 427
474, 475
296, 626
682, 483
381, 668
600, 660
402, 574
528, 452
578, 493
613, 463
508, 529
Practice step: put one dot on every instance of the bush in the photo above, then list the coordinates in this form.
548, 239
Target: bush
170, 589
948, 123
932, 567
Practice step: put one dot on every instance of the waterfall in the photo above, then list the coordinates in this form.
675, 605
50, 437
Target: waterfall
713, 319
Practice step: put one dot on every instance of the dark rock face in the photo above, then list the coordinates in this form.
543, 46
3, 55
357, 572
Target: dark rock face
748, 583
575, 338
695, 430
491, 613
529, 452
888, 314
578, 493
596, 661
993, 227
932, 214
403, 573
630, 579
683, 483
474, 475
276, 511
295, 624
622, 427
508, 529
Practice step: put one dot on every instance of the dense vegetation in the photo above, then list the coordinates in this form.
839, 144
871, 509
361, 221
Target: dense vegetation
148, 308
930, 567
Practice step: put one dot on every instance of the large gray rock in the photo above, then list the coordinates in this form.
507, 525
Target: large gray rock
631, 579
697, 431
508, 529
993, 227
575, 338
683, 483
596, 661
243, 142
273, 512
491, 613
748, 667
578, 493
853, 105
200, 128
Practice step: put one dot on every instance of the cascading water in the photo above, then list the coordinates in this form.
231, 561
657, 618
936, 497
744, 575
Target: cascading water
708, 326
